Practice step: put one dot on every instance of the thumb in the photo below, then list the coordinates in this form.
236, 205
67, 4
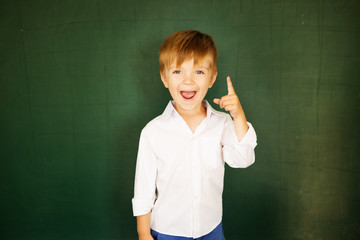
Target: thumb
217, 101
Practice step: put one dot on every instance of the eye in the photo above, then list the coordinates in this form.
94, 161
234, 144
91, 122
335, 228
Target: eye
199, 72
176, 72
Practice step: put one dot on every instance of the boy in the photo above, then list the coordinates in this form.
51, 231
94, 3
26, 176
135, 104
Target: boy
180, 164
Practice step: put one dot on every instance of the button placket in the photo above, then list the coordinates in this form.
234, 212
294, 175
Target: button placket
196, 181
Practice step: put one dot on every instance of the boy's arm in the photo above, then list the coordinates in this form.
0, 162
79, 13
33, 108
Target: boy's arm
239, 137
143, 227
145, 186
232, 104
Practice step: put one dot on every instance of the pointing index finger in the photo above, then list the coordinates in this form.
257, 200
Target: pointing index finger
230, 86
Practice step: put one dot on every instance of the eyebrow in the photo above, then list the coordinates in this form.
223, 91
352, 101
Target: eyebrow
203, 67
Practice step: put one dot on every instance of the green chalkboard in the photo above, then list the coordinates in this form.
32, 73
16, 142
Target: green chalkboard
80, 79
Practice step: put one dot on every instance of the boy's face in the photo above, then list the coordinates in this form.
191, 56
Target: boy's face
189, 83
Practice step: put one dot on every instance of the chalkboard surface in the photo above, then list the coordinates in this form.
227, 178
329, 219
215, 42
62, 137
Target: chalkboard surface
80, 79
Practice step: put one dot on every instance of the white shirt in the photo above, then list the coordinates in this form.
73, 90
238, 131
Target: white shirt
179, 174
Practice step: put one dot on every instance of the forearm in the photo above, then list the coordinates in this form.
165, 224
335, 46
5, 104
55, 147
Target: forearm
240, 125
143, 226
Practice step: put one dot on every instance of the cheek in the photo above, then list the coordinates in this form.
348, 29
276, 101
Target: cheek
173, 86
204, 84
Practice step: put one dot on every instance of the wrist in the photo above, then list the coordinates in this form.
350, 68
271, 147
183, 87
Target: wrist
240, 119
145, 236
144, 233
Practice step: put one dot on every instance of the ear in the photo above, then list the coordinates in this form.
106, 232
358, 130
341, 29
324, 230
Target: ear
163, 79
212, 80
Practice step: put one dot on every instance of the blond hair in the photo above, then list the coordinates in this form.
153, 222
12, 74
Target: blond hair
185, 45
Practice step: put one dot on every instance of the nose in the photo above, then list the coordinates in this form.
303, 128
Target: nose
188, 79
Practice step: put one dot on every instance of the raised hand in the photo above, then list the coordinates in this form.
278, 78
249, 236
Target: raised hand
230, 102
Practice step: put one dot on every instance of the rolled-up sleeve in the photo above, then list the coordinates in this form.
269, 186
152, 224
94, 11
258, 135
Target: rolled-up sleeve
238, 154
145, 177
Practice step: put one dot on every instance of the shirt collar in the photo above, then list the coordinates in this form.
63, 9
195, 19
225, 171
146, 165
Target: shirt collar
169, 110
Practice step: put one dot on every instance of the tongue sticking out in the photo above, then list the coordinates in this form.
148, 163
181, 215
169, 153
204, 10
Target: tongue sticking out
188, 94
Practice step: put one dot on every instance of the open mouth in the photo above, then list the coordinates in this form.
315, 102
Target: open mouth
188, 95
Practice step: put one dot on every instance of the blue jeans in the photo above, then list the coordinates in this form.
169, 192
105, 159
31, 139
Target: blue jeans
216, 234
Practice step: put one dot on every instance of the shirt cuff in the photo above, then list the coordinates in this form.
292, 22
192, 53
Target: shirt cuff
249, 138
142, 206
